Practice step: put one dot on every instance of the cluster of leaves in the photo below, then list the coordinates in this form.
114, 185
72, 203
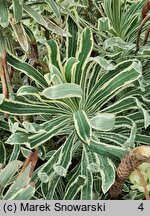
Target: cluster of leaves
78, 93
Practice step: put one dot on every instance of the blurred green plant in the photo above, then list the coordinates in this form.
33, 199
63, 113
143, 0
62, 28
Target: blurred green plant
122, 19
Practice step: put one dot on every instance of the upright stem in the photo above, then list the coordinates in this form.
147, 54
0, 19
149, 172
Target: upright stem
140, 30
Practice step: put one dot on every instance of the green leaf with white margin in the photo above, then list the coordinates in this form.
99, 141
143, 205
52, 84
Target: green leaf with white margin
4, 125
103, 121
144, 139
25, 193
115, 138
70, 69
27, 90
72, 175
93, 160
8, 172
71, 42
130, 142
82, 126
124, 104
107, 171
65, 156
87, 189
53, 182
19, 108
33, 127
25, 152
123, 122
107, 149
103, 24
60, 168
103, 63
54, 53
54, 8
21, 182
54, 128
47, 168
17, 9
34, 14
27, 69
55, 76
75, 187
47, 23
117, 42
13, 126
137, 117
15, 152
120, 81
21, 36
101, 80
2, 97
61, 91
145, 113
18, 138
56, 29
2, 153
2, 46
85, 48
30, 90
4, 13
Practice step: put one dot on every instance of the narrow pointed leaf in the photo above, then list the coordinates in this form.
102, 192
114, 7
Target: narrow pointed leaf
47, 23
70, 68
107, 171
2, 153
54, 7
19, 108
145, 113
15, 153
54, 53
27, 69
17, 9
4, 13
21, 36
54, 128
108, 150
82, 126
47, 168
75, 187
18, 138
2, 48
86, 45
65, 157
71, 42
87, 189
111, 86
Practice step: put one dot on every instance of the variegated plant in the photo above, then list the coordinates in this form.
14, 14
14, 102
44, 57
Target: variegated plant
85, 101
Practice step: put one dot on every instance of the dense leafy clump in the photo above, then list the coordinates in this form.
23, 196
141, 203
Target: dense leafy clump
74, 90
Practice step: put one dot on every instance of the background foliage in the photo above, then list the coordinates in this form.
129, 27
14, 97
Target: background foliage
73, 88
